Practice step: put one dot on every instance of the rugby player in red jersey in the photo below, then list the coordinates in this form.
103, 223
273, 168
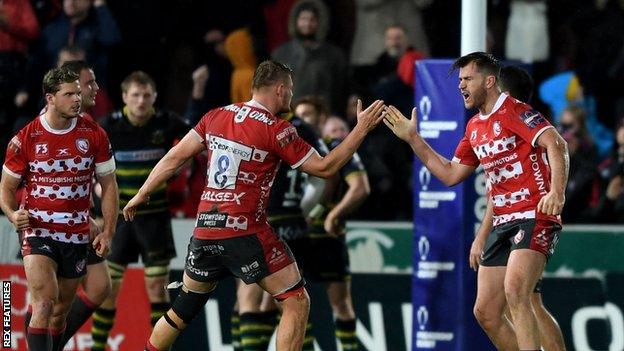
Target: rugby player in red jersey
96, 284
246, 144
518, 83
526, 164
57, 156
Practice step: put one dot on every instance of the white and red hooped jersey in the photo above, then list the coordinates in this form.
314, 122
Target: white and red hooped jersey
516, 169
246, 144
58, 168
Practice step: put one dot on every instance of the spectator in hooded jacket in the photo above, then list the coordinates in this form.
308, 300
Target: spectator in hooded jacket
319, 68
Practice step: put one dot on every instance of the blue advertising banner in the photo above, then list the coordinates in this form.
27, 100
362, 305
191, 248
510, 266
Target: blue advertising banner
444, 286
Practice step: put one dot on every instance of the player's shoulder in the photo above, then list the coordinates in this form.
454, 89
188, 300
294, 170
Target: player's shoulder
163, 114
31, 130
85, 120
90, 126
473, 121
112, 119
232, 108
169, 118
87, 116
518, 110
517, 107
242, 112
35, 123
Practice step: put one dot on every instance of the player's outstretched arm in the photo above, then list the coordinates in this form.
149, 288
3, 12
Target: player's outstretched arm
110, 210
325, 167
450, 173
559, 161
188, 147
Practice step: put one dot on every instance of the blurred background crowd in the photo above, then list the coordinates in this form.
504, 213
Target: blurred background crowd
202, 54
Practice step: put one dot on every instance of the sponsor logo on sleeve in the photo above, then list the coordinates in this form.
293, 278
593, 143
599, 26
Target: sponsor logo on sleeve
532, 118
15, 145
286, 136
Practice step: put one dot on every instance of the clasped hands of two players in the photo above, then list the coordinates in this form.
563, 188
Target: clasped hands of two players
99, 239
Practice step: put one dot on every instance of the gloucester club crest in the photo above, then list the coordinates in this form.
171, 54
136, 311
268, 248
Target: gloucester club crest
82, 145
497, 128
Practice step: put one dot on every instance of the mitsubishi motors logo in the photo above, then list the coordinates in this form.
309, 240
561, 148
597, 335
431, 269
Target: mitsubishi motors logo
422, 317
276, 253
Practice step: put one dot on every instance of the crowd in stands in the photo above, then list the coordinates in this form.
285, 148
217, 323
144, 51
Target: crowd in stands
202, 54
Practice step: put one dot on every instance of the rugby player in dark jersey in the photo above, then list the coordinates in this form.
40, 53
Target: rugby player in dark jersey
327, 255
140, 136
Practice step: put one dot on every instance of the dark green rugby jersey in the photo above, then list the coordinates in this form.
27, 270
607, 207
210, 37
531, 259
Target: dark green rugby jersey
352, 167
288, 185
138, 149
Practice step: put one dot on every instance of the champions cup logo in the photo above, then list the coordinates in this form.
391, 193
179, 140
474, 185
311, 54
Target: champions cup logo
423, 248
422, 317
425, 107
429, 339
430, 269
82, 145
425, 177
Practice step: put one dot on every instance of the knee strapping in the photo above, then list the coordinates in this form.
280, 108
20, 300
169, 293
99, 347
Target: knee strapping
296, 290
156, 271
173, 324
116, 271
188, 304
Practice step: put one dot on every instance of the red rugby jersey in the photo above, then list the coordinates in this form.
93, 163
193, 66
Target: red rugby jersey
58, 168
246, 144
517, 170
